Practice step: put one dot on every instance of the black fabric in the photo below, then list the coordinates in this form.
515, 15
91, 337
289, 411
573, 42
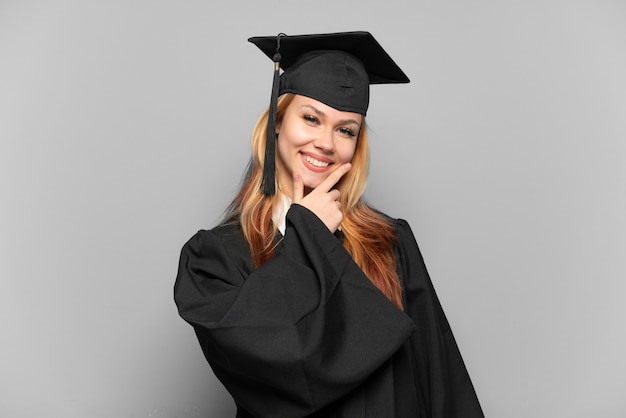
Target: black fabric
333, 68
308, 335
378, 64
334, 78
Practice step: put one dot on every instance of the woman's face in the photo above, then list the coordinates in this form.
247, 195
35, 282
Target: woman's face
313, 140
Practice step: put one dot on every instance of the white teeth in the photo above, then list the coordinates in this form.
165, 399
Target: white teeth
316, 163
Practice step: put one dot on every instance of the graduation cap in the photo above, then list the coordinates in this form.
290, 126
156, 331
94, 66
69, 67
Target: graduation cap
333, 68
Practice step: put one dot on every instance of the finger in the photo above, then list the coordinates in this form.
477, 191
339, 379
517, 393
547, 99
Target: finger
334, 194
334, 177
298, 188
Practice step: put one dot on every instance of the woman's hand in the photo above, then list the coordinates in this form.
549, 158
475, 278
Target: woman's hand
323, 200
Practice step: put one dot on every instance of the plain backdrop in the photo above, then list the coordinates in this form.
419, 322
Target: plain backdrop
125, 126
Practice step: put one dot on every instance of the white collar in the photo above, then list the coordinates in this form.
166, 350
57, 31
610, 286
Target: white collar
280, 212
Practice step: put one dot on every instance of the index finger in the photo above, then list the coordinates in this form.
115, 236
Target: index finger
298, 188
334, 177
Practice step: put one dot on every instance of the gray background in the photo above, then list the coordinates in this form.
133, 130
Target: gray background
124, 128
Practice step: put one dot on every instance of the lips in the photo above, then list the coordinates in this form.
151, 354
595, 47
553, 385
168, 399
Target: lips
315, 163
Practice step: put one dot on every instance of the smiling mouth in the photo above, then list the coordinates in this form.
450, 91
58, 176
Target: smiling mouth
316, 163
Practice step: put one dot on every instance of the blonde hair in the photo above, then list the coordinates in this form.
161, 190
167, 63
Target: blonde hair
369, 237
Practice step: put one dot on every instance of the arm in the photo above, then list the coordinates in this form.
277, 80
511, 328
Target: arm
295, 334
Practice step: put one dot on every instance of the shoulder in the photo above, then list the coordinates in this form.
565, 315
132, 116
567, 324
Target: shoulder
402, 227
406, 243
229, 233
224, 232
221, 240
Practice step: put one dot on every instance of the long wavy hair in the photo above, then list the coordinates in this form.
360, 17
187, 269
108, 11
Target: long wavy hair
369, 237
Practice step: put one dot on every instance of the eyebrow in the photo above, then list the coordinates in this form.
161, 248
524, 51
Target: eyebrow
321, 113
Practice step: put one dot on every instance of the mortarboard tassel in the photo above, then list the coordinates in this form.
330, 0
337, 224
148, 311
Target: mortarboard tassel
269, 166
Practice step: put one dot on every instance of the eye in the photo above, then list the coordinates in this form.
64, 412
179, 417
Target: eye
347, 132
311, 119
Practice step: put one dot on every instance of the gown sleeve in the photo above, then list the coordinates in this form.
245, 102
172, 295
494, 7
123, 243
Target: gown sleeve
443, 384
297, 333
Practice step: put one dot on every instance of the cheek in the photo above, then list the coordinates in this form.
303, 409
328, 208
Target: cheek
290, 139
287, 145
282, 156
346, 150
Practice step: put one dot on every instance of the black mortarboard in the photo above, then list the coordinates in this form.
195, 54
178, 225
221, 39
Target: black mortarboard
334, 68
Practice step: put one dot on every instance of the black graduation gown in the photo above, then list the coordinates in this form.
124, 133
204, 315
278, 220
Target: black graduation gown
308, 335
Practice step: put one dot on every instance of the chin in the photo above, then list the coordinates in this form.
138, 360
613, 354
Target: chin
312, 183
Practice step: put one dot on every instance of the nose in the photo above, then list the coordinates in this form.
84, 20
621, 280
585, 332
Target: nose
325, 141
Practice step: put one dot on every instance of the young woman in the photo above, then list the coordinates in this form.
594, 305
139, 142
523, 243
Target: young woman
305, 300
